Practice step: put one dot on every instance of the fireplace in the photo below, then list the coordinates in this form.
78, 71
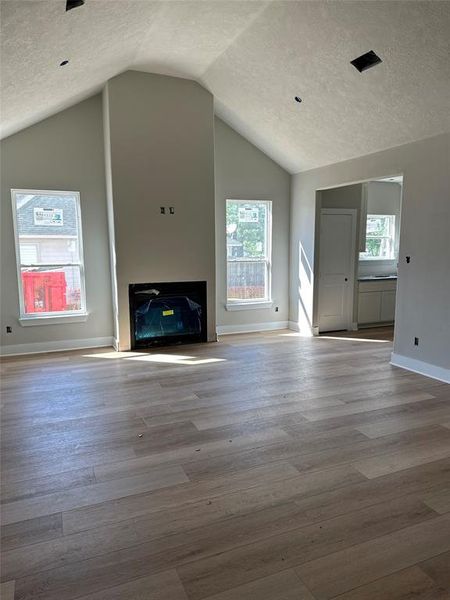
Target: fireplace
167, 313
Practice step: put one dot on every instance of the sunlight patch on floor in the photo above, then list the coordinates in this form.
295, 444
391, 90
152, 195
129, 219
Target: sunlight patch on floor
176, 359
112, 354
168, 359
296, 334
350, 339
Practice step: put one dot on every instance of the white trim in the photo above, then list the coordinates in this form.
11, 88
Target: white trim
354, 182
230, 306
306, 332
79, 237
60, 346
293, 326
45, 237
421, 367
37, 319
268, 258
251, 327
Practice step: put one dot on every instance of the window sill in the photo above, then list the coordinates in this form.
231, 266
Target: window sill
230, 306
34, 321
371, 261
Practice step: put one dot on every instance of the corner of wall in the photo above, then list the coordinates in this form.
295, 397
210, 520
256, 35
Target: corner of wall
110, 210
420, 367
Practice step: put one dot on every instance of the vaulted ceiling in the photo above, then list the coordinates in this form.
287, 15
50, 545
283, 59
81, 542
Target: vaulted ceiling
254, 56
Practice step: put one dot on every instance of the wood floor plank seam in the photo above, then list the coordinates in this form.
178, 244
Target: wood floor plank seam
425, 490
304, 584
302, 560
249, 514
231, 493
237, 545
379, 579
382, 452
439, 519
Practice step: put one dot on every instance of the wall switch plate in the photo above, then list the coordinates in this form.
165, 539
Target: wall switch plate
416, 341
172, 210
163, 210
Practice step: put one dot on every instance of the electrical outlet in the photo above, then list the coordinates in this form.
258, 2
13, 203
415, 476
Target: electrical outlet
172, 210
8, 329
163, 210
276, 308
416, 341
408, 259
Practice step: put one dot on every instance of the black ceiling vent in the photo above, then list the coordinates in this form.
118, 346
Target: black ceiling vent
366, 61
73, 4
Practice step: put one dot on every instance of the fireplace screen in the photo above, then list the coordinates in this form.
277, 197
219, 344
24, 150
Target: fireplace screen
167, 313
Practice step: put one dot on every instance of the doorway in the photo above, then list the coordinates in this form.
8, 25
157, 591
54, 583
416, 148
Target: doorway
336, 268
356, 248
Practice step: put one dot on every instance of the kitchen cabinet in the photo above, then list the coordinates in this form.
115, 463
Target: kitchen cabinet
387, 312
376, 301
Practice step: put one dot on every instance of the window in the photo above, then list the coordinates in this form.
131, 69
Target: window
380, 238
249, 232
49, 252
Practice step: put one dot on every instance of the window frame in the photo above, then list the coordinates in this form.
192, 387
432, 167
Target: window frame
395, 240
242, 303
71, 316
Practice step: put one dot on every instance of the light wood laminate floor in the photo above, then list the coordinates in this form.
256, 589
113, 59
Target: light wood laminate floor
264, 467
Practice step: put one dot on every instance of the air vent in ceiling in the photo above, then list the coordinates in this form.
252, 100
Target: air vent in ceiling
73, 4
366, 61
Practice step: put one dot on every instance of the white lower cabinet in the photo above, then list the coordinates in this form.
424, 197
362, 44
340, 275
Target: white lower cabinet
369, 307
376, 301
387, 305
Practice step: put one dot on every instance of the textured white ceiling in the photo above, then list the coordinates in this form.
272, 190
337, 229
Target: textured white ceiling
254, 56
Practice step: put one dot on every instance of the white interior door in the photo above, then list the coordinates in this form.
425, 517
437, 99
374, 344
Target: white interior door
336, 268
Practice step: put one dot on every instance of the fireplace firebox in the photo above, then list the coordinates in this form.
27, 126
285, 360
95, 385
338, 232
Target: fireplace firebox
167, 313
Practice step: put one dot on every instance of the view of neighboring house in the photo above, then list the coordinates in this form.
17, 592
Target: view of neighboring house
47, 228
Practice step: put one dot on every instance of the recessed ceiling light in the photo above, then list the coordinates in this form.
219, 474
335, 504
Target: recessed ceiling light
366, 61
73, 4
298, 99
63, 63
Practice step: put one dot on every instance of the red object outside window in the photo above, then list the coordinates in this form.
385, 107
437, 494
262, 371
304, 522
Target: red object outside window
44, 291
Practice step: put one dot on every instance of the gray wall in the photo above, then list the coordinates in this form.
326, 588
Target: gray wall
64, 152
161, 133
243, 172
423, 293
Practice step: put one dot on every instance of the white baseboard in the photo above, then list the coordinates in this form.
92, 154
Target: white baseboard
293, 325
251, 327
418, 366
306, 332
61, 346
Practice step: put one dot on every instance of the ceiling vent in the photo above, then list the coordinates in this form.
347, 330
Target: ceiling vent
73, 4
366, 61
